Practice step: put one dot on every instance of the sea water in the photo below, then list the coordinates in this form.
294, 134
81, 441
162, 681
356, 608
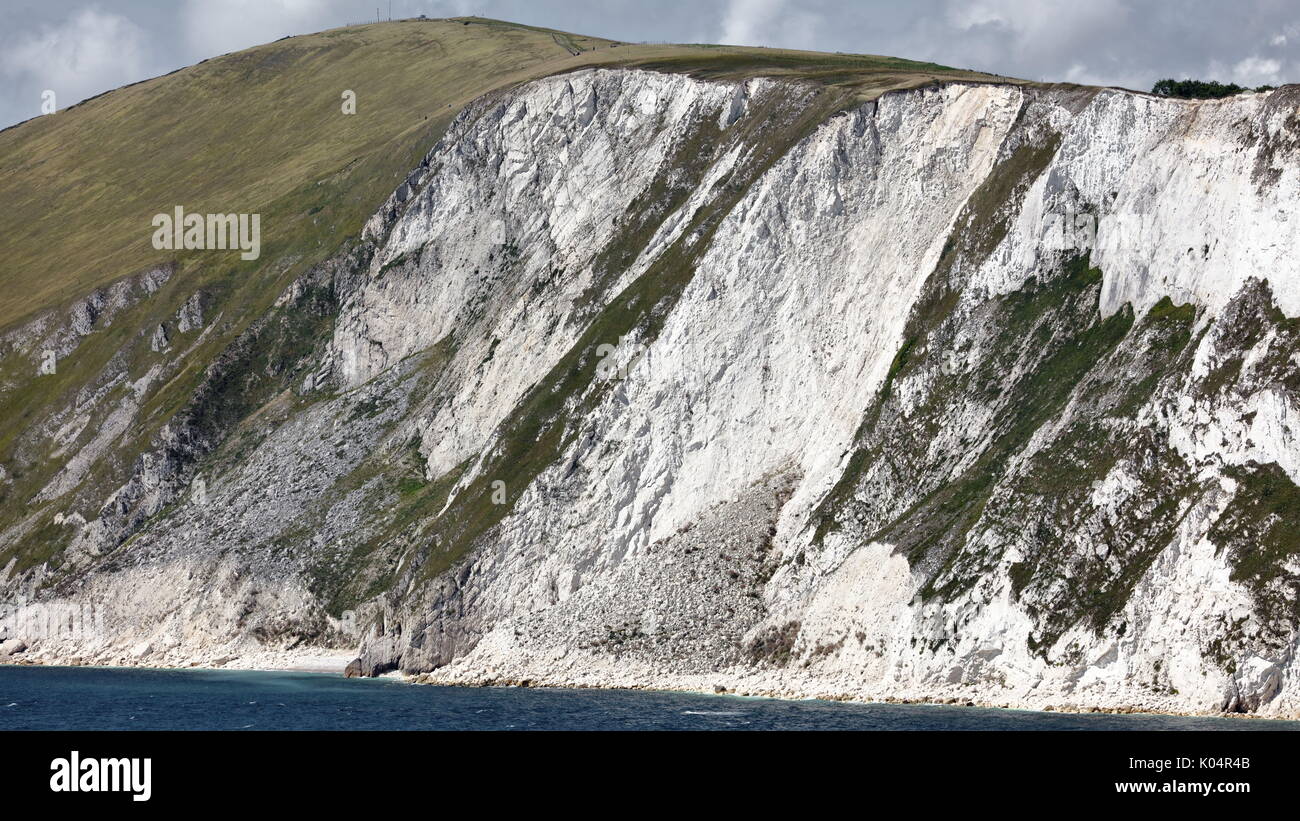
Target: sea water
81, 698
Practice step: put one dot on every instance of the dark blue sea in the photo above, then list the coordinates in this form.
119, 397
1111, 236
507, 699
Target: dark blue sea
81, 698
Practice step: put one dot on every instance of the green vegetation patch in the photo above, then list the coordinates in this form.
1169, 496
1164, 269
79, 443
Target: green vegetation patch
1260, 531
1050, 334
1198, 89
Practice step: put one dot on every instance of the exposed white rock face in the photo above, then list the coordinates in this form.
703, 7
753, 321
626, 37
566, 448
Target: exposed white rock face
872, 431
772, 356
526, 194
1189, 199
551, 168
766, 364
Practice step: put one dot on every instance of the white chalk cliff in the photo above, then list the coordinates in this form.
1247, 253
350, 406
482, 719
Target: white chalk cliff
645, 380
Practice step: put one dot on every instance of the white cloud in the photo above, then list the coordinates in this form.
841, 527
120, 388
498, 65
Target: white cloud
1289, 33
770, 23
89, 52
217, 28
1256, 71
746, 21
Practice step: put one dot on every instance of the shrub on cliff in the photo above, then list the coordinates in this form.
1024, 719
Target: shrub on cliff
1195, 89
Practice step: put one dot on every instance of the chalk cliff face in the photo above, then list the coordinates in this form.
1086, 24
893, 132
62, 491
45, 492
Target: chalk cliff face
970, 391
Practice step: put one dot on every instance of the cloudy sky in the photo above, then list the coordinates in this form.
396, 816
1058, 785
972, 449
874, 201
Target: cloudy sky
78, 48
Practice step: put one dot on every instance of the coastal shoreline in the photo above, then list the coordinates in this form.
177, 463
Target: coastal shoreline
325, 662
434, 679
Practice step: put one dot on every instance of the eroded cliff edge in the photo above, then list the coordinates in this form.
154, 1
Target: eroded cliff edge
976, 391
